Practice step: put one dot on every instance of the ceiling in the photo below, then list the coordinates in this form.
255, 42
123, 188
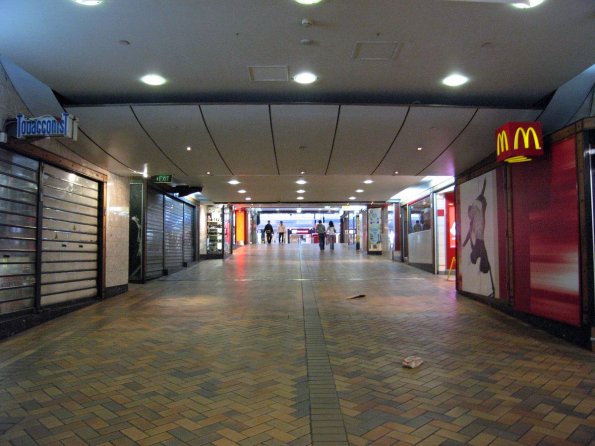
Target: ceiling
378, 97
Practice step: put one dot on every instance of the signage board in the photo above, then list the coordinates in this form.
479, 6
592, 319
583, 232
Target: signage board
517, 142
162, 178
66, 126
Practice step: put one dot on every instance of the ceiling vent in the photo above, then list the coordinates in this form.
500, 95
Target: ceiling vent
270, 73
376, 50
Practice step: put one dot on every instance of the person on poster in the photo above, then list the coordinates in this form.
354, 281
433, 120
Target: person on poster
268, 230
321, 231
475, 235
331, 234
281, 232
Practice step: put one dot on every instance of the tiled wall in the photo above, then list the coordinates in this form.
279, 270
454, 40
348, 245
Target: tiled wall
117, 189
116, 244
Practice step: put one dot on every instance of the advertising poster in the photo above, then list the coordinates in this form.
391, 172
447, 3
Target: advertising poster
478, 258
374, 229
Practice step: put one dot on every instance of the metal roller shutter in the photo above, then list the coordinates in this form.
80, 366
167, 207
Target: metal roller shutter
189, 243
174, 235
69, 256
18, 231
154, 232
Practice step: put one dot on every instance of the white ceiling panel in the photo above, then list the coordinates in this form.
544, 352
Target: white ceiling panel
242, 133
477, 141
91, 152
303, 137
364, 135
432, 129
117, 131
176, 127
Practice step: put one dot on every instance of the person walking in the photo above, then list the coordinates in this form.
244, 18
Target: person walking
331, 234
321, 231
268, 230
281, 232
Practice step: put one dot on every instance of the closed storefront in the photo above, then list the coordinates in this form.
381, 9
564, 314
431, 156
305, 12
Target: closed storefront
49, 234
163, 232
154, 235
70, 228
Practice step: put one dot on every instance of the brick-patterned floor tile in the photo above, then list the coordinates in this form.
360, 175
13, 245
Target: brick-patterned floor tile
217, 354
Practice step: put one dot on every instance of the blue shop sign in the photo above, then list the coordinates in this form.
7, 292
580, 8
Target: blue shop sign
66, 126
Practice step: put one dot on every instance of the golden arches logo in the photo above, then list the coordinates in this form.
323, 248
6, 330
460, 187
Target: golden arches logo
502, 143
526, 135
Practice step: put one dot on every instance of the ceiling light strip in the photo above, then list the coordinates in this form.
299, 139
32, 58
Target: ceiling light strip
393, 142
328, 164
273, 139
204, 121
451, 143
155, 142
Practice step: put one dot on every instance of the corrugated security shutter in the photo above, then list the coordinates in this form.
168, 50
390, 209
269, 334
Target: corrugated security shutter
174, 238
18, 231
70, 236
154, 232
189, 231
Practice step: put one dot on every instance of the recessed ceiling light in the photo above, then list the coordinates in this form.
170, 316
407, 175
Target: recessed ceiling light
528, 4
301, 181
420, 148
359, 191
248, 198
301, 191
89, 2
455, 80
153, 79
396, 172
368, 181
299, 198
302, 172
189, 148
208, 172
233, 182
242, 191
305, 78
352, 198
308, 2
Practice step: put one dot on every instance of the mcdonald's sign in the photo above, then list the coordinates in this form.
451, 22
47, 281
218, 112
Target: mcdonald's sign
517, 142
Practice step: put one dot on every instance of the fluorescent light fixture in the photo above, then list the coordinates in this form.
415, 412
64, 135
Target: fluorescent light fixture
301, 191
528, 4
455, 80
301, 181
242, 191
299, 198
153, 79
89, 2
359, 191
233, 182
308, 2
368, 181
305, 77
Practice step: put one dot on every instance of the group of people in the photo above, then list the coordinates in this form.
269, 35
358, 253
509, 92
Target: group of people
321, 230
268, 230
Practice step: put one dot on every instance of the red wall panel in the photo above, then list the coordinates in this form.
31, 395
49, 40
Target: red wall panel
546, 235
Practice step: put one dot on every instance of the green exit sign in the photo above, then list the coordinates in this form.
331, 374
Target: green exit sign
161, 178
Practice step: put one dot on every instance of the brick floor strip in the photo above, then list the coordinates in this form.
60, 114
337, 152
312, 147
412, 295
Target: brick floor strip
326, 419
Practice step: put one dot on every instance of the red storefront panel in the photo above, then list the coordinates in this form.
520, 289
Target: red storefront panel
546, 235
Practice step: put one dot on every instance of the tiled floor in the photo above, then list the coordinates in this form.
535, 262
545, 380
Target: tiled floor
266, 348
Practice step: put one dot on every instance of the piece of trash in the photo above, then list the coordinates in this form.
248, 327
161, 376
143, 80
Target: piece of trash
412, 362
357, 297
